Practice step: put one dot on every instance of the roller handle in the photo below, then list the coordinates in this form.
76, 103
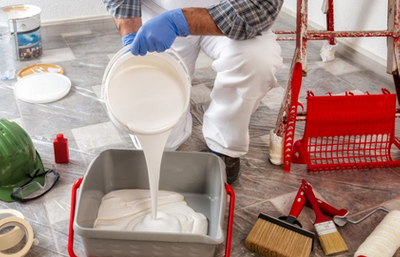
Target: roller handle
319, 217
231, 193
75, 187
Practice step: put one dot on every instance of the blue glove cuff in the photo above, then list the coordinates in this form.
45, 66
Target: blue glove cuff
182, 27
128, 39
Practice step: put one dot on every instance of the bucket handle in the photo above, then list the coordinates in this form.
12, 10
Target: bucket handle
78, 182
72, 216
231, 193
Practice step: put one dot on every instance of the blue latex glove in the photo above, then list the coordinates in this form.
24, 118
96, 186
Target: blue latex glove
158, 33
128, 39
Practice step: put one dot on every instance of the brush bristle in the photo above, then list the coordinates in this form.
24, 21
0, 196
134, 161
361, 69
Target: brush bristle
270, 239
332, 243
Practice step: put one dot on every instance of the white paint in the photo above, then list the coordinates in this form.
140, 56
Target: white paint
129, 210
146, 96
129, 202
165, 222
153, 148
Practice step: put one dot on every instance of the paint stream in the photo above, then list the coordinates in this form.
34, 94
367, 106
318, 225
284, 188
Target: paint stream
149, 106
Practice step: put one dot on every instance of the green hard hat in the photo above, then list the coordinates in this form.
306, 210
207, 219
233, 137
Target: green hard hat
19, 161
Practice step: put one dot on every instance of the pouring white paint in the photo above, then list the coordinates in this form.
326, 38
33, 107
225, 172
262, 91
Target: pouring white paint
148, 101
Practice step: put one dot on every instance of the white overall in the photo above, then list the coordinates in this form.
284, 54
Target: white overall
245, 73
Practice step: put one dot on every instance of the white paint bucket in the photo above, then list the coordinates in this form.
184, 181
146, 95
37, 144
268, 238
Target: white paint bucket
146, 94
25, 27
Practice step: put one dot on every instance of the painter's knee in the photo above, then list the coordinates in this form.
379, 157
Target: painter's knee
266, 59
259, 65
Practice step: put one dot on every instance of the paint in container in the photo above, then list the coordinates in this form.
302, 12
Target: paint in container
25, 27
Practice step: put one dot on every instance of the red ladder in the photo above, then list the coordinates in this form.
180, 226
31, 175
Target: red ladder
286, 122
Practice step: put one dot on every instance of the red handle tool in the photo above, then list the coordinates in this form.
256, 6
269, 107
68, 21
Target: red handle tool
319, 217
337, 215
297, 207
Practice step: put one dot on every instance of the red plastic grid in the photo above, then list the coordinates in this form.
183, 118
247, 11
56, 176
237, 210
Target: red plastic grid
348, 132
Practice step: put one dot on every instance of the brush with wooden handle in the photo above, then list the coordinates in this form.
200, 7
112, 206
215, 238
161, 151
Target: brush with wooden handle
274, 237
330, 239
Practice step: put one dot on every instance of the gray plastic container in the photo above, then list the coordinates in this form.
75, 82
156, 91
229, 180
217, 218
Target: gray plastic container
197, 176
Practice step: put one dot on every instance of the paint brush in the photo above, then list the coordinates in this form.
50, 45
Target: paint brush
330, 239
280, 237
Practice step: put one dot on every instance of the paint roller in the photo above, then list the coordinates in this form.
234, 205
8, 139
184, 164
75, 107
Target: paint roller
384, 240
340, 215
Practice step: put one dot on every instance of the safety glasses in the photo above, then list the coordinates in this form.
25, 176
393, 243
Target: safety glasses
33, 189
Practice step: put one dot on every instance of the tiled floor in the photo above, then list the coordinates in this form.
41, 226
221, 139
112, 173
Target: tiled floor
84, 50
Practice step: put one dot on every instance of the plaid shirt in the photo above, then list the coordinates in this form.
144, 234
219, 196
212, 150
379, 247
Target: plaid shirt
237, 19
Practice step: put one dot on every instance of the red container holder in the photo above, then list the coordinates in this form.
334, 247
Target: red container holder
348, 132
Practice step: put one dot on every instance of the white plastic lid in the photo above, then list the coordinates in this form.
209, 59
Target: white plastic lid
42, 87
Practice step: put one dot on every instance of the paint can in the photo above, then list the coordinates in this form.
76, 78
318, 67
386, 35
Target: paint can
147, 94
25, 28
